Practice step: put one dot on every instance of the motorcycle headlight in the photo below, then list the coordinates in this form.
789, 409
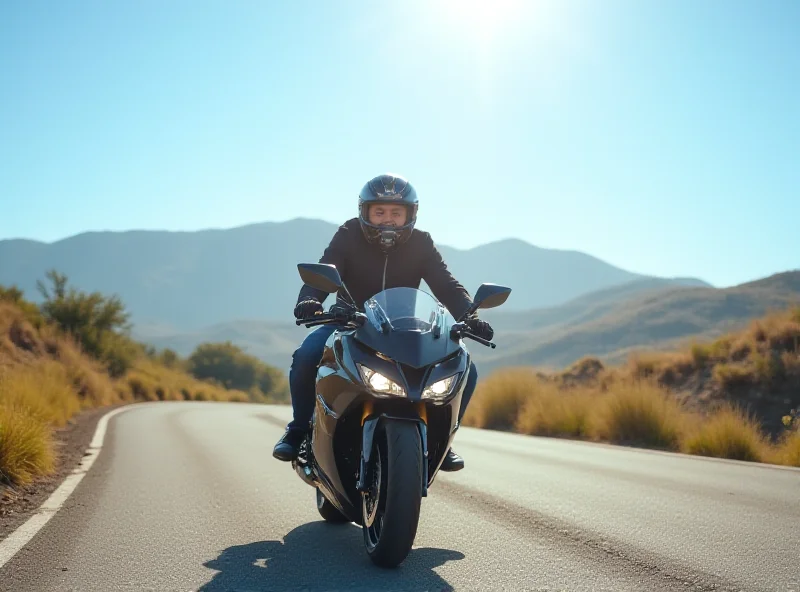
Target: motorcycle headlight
379, 383
440, 389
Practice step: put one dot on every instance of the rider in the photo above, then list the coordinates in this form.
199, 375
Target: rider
380, 249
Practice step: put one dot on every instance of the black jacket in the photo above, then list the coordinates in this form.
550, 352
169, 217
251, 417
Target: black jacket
366, 270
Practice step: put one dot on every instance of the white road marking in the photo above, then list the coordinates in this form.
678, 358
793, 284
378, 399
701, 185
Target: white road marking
11, 545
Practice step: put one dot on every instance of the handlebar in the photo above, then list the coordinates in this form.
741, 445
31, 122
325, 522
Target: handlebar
319, 319
480, 340
460, 330
344, 317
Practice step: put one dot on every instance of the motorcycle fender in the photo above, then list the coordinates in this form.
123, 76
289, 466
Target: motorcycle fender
368, 434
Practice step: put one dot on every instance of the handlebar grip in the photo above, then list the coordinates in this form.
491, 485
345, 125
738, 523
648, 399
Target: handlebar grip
315, 323
480, 340
316, 319
460, 330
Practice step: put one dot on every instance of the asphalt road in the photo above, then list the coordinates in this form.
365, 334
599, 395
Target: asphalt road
187, 497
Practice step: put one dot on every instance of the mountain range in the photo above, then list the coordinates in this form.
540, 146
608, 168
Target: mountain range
191, 280
608, 324
240, 284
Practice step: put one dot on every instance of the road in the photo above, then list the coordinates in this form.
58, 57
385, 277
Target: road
187, 497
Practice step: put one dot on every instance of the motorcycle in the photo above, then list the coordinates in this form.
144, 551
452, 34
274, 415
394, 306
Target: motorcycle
388, 392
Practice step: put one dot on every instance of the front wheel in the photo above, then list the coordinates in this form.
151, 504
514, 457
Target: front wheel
328, 511
391, 506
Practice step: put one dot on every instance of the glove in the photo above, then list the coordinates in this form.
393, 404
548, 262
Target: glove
307, 309
480, 328
341, 312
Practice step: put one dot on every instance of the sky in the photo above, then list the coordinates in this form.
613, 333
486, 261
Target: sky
662, 136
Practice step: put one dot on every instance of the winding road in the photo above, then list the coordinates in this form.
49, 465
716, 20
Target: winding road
187, 497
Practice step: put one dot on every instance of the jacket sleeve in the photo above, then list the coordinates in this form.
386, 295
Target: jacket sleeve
334, 254
444, 286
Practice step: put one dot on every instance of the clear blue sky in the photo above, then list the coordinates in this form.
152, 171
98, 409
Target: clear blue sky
661, 136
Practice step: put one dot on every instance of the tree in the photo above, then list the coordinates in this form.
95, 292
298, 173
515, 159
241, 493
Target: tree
99, 323
233, 368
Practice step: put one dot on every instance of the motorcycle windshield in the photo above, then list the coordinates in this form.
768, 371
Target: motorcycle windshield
408, 325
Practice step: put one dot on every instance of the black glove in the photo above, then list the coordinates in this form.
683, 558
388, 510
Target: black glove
480, 328
341, 312
307, 309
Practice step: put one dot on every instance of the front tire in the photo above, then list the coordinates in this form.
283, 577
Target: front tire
328, 511
391, 506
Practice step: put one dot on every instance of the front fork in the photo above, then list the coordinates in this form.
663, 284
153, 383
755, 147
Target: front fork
370, 424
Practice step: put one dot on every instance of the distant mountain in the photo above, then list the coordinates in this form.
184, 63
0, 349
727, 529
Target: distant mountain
586, 308
190, 280
658, 319
610, 323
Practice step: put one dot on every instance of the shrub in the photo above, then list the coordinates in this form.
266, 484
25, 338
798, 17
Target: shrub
498, 400
228, 365
98, 323
549, 411
26, 447
788, 451
639, 413
728, 433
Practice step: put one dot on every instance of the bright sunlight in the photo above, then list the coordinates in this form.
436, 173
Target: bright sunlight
482, 19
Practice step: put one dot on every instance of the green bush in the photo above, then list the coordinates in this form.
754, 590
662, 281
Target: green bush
99, 323
234, 369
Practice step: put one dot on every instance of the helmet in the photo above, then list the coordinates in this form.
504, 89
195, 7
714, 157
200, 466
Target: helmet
387, 189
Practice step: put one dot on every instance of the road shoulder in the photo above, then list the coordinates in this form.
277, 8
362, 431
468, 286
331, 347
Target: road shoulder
71, 443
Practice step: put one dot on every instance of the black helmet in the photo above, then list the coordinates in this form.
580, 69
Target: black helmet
387, 189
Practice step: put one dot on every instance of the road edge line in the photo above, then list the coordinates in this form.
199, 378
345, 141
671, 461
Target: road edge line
20, 537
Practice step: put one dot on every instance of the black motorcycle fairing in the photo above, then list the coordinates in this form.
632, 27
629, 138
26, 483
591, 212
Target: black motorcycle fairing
456, 365
409, 326
340, 386
345, 406
412, 379
341, 502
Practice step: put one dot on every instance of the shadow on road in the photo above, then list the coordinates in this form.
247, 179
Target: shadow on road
322, 556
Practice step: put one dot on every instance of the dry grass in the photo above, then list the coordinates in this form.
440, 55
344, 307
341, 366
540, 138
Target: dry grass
728, 433
498, 400
550, 411
42, 391
631, 413
670, 400
150, 381
641, 414
88, 377
788, 451
26, 447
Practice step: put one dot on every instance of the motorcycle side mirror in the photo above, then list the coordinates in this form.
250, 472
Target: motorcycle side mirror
488, 296
491, 295
322, 276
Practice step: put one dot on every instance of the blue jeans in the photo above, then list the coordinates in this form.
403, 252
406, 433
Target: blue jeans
303, 377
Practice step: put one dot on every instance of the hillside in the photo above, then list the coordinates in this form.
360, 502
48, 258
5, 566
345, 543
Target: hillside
737, 396
586, 308
250, 272
72, 353
660, 319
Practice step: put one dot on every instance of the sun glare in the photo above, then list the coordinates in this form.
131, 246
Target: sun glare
483, 19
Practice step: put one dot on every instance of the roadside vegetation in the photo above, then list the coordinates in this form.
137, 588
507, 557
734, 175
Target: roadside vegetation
73, 352
735, 397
